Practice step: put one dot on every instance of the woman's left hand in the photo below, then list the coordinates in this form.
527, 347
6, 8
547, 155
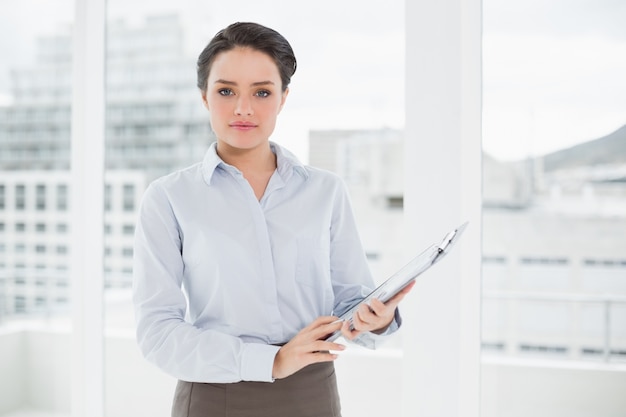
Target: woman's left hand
375, 318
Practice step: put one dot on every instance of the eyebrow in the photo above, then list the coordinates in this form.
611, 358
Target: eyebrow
258, 83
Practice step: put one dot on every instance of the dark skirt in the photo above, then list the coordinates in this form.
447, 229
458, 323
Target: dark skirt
310, 392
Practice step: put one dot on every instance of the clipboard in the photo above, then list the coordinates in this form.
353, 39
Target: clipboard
408, 273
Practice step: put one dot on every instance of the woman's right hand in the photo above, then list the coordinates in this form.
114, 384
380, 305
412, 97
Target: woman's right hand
307, 347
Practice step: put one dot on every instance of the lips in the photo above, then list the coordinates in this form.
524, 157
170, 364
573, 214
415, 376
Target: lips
242, 125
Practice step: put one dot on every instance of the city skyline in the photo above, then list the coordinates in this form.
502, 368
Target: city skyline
550, 257
547, 85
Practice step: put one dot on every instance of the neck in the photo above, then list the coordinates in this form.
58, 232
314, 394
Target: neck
260, 158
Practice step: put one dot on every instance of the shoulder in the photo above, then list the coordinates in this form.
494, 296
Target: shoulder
176, 182
319, 174
289, 164
326, 184
179, 177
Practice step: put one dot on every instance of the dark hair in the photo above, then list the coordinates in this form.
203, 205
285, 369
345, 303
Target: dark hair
250, 35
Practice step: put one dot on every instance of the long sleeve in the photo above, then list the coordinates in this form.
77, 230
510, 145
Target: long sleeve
165, 338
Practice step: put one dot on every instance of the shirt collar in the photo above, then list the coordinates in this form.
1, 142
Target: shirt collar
287, 163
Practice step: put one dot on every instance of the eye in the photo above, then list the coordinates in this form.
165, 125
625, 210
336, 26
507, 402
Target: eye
225, 92
263, 93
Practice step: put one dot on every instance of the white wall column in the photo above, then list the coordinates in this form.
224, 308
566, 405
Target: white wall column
87, 170
441, 370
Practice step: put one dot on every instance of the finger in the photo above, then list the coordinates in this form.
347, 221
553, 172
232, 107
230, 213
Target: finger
323, 346
347, 333
366, 315
322, 320
324, 329
395, 300
359, 320
403, 292
316, 324
379, 308
322, 356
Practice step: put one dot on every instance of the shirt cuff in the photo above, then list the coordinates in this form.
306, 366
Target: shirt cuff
257, 362
393, 326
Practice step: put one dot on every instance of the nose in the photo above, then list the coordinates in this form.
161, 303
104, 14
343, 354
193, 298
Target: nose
244, 107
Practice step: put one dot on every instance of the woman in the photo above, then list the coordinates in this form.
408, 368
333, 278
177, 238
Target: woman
244, 261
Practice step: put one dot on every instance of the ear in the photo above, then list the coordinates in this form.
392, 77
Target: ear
204, 100
283, 99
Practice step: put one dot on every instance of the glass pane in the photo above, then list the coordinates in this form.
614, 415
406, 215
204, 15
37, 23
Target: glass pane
344, 113
35, 99
554, 208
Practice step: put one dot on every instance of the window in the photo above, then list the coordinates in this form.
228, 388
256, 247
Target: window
40, 197
34, 151
40, 301
20, 197
128, 197
62, 197
395, 202
524, 125
20, 304
553, 212
108, 197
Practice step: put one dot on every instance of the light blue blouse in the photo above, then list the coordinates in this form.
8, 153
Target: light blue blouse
220, 277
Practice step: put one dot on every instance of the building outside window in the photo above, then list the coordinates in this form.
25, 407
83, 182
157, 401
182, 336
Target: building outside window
554, 227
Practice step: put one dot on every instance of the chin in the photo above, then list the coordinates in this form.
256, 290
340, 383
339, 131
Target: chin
245, 143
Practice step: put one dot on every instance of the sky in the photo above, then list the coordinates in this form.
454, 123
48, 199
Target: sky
552, 69
553, 74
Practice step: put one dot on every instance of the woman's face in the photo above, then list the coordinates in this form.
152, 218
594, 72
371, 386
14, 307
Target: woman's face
244, 96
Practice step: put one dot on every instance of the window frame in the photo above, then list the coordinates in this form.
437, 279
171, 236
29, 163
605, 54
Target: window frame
87, 204
443, 102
